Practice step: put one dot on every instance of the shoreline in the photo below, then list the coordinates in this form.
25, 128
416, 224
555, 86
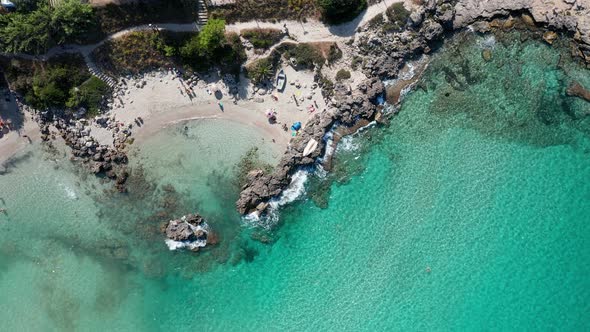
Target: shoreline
163, 104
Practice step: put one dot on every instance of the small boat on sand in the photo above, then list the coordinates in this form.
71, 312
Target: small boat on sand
281, 81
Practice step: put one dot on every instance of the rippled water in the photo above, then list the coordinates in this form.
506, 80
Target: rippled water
469, 211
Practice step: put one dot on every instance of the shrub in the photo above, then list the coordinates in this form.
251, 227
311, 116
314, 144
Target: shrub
342, 74
334, 54
51, 86
398, 15
261, 70
375, 21
306, 55
38, 30
88, 95
212, 36
262, 38
338, 11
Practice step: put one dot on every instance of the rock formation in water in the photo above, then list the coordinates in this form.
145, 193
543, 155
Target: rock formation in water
190, 231
346, 109
384, 53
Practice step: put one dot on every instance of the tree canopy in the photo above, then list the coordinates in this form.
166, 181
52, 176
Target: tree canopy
38, 30
337, 11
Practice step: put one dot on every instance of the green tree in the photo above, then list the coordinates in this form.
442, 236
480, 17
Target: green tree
26, 33
261, 70
71, 19
212, 37
336, 11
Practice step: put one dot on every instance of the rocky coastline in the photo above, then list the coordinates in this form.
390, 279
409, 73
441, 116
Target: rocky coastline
385, 54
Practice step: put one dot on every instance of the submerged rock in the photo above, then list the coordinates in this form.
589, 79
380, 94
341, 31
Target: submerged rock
550, 37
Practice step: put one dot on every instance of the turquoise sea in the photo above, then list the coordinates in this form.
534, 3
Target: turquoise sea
470, 210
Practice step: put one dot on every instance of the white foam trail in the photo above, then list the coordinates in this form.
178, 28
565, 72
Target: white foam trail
295, 190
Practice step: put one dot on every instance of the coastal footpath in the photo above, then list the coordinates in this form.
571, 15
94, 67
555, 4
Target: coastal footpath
385, 54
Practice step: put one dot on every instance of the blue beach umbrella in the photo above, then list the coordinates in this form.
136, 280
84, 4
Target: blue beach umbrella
296, 126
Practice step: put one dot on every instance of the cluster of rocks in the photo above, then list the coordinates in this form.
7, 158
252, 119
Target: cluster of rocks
345, 109
190, 231
100, 158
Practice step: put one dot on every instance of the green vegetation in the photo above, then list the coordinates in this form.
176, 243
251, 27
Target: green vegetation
342, 74
114, 17
266, 10
262, 38
143, 51
306, 55
334, 54
397, 15
133, 53
212, 46
356, 61
88, 95
375, 21
43, 27
62, 82
338, 11
327, 86
261, 70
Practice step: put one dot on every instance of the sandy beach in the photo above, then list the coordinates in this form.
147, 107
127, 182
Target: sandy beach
162, 100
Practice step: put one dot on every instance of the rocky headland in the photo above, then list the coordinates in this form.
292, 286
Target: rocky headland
385, 53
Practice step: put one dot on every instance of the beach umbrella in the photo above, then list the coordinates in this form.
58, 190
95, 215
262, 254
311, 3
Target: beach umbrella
269, 113
296, 126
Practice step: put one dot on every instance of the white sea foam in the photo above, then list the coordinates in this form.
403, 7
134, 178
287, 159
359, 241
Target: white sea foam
295, 190
70, 193
173, 245
488, 42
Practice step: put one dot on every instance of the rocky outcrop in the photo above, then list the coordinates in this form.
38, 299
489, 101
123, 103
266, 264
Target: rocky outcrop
346, 109
384, 52
100, 159
190, 231
569, 15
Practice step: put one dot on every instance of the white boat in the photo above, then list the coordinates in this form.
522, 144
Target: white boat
310, 147
281, 81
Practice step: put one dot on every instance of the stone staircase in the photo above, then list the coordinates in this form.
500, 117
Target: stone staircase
95, 71
203, 13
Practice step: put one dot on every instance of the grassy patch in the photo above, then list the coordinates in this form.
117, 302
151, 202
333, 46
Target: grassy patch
263, 69
88, 95
144, 51
262, 38
133, 53
334, 54
306, 55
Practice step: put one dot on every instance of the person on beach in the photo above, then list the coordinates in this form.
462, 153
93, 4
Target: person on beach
220, 105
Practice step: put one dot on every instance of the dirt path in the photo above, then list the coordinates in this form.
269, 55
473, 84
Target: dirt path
310, 31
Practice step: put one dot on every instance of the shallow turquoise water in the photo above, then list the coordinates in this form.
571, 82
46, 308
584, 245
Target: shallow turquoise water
468, 212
